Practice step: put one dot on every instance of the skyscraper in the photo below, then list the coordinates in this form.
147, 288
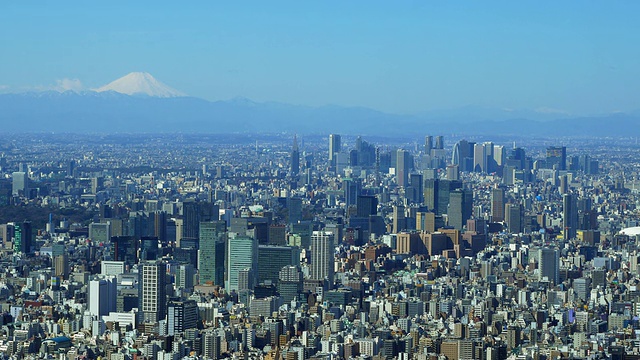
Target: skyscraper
514, 216
549, 264
295, 157
181, 315
152, 297
428, 144
497, 205
20, 184
403, 167
213, 235
460, 207
22, 237
242, 253
557, 157
334, 148
322, 258
569, 216
102, 295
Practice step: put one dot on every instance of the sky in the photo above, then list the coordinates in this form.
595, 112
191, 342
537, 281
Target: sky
576, 57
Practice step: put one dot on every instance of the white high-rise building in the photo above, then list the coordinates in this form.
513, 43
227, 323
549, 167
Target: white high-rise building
102, 295
322, 256
152, 299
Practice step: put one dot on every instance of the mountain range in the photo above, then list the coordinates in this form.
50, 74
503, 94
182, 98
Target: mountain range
138, 102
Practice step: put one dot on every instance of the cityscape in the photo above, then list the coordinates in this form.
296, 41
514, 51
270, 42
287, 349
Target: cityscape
331, 246
330, 180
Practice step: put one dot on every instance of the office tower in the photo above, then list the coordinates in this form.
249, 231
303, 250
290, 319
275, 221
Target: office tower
100, 232
242, 253
431, 194
453, 172
294, 210
403, 167
443, 196
149, 248
213, 235
514, 216
557, 157
399, 221
322, 249
428, 144
569, 216
334, 148
366, 205
295, 157
277, 234
124, 248
102, 295
152, 297
20, 184
498, 156
181, 315
351, 188
211, 345
549, 264
415, 192
497, 205
289, 283
460, 206
190, 220
516, 158
439, 142
271, 259
22, 237
184, 277
61, 266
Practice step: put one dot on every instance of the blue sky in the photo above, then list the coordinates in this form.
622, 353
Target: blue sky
403, 57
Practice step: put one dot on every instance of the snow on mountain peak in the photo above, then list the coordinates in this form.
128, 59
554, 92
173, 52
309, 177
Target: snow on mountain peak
140, 83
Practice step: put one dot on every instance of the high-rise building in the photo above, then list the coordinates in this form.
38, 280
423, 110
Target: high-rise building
569, 216
399, 220
497, 205
334, 148
152, 297
181, 315
431, 194
184, 277
242, 253
403, 167
20, 184
22, 237
514, 216
549, 264
322, 256
557, 157
295, 157
149, 248
439, 142
102, 295
366, 205
271, 259
428, 144
445, 187
61, 266
289, 283
213, 235
124, 248
460, 208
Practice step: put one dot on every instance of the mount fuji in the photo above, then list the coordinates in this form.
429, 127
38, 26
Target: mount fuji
140, 83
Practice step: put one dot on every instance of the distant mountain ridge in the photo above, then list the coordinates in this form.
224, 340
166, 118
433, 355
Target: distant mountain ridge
140, 83
110, 111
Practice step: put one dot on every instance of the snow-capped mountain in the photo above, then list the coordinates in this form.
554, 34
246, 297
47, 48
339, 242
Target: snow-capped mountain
141, 83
